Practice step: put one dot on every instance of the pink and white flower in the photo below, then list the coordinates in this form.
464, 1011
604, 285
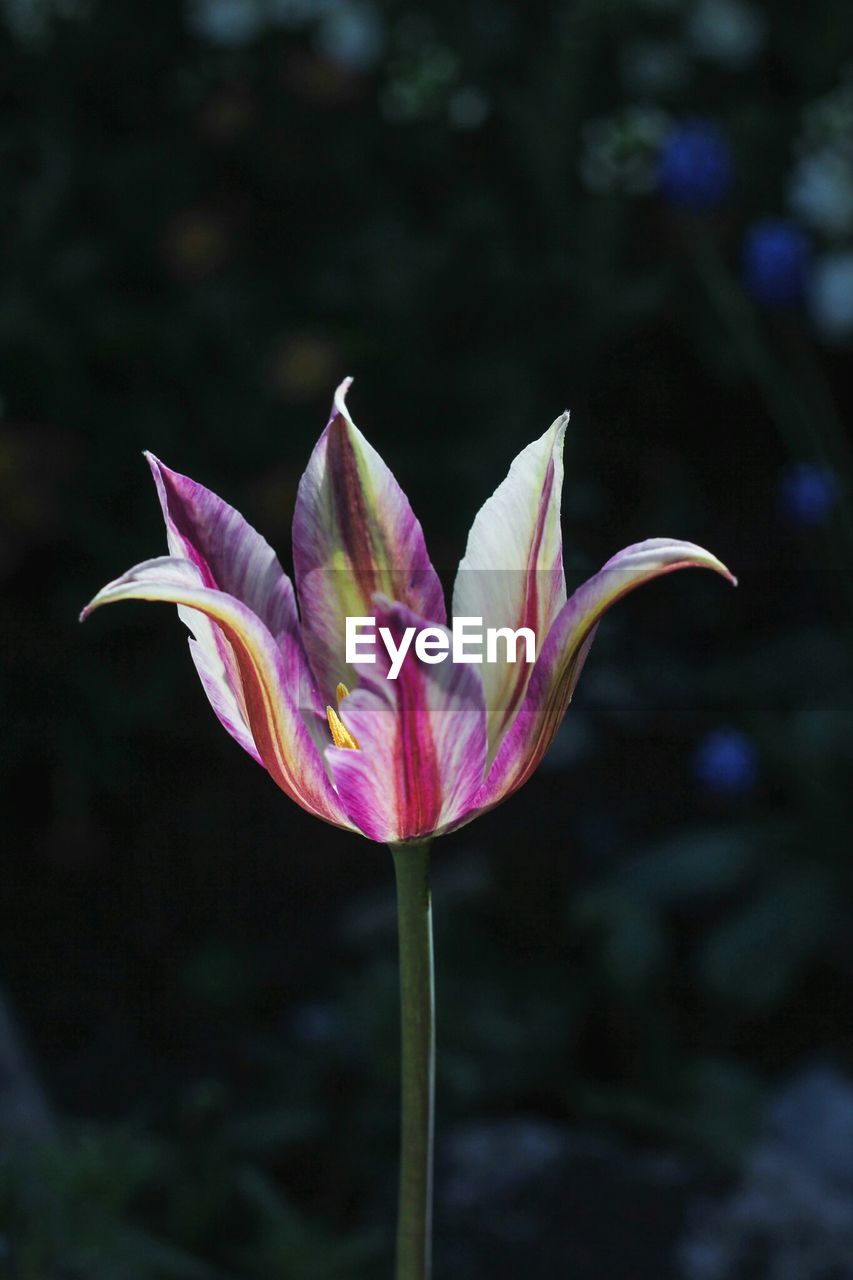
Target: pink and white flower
420, 755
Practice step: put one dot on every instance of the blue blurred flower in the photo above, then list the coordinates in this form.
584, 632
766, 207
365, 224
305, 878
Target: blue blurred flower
808, 492
776, 261
726, 762
695, 169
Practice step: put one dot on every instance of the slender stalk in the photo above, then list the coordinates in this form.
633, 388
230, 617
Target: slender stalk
417, 1020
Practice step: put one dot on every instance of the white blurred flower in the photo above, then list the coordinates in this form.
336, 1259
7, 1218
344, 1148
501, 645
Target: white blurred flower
820, 191
26, 18
620, 153
829, 120
729, 32
348, 32
352, 34
831, 295
226, 22
421, 81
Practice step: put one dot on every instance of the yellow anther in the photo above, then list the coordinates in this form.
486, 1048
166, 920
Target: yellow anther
341, 735
341, 692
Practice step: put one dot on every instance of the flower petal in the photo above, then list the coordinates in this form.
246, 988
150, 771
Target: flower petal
564, 652
206, 648
261, 695
231, 556
354, 534
512, 572
422, 741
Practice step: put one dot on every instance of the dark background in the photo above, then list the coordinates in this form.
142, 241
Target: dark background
486, 212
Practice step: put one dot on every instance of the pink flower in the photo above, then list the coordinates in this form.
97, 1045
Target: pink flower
420, 755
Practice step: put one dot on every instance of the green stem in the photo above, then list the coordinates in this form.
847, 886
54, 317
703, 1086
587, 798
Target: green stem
417, 1018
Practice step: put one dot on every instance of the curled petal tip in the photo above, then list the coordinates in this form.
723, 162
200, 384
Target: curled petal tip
662, 555
157, 469
688, 554
101, 598
341, 396
721, 569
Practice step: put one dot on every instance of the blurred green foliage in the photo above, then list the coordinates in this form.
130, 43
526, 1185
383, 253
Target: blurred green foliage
210, 214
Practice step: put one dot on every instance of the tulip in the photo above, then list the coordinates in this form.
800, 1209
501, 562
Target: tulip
417, 757
398, 760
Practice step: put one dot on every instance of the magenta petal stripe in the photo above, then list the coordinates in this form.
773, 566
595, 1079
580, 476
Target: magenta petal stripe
354, 534
232, 557
207, 645
562, 657
512, 572
422, 740
280, 736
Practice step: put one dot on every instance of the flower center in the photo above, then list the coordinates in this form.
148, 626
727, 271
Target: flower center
341, 735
